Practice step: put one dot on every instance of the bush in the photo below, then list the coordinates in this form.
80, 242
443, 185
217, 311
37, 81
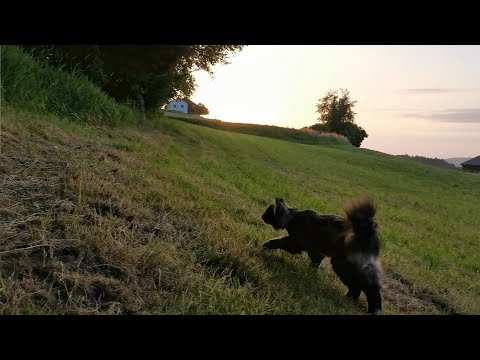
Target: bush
354, 133
30, 85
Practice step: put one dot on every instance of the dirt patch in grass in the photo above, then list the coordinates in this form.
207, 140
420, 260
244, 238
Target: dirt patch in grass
411, 298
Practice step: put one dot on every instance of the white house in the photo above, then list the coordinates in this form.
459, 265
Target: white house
178, 105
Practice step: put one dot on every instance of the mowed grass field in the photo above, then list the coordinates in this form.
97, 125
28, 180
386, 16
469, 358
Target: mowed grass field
166, 219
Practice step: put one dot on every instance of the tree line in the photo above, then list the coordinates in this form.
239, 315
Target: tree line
144, 76
430, 161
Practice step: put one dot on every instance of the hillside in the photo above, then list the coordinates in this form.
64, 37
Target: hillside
304, 136
166, 219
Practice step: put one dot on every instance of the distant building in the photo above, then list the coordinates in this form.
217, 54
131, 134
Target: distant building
472, 165
183, 105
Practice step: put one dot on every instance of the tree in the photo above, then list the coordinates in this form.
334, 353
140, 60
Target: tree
337, 115
201, 109
335, 110
147, 76
354, 133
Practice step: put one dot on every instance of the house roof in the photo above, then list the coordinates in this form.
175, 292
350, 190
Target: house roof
190, 103
474, 161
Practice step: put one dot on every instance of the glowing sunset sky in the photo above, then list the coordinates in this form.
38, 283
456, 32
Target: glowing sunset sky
416, 100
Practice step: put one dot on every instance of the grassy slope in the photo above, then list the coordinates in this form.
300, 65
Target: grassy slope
183, 230
303, 136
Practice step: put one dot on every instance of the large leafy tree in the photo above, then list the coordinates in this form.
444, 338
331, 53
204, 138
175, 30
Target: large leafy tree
335, 110
337, 115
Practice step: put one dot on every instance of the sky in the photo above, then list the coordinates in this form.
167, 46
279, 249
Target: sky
415, 99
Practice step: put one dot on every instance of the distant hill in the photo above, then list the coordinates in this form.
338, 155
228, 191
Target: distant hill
430, 161
457, 161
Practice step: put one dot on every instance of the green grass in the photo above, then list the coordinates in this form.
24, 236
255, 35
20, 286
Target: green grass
305, 136
30, 85
187, 235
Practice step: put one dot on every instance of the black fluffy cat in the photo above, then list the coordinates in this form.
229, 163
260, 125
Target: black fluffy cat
351, 242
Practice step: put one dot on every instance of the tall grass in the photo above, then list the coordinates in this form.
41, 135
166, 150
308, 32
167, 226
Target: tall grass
30, 85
